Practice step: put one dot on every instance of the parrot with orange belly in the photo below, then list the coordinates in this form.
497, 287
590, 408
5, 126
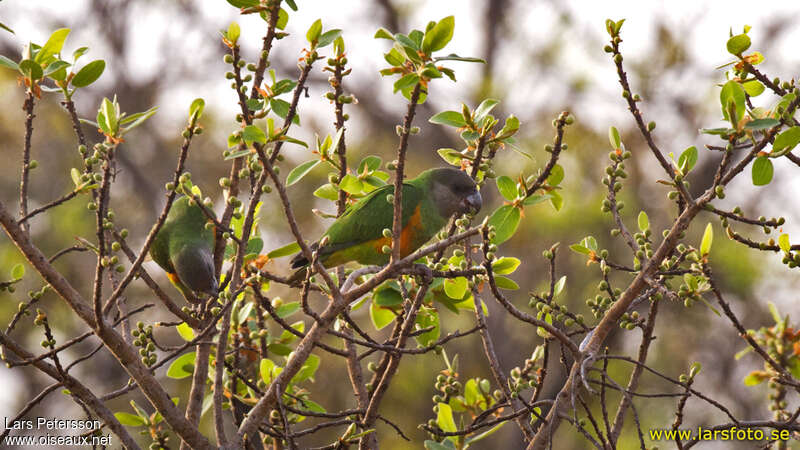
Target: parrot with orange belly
429, 201
184, 248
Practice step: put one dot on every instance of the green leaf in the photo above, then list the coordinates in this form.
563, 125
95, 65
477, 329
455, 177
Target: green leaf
754, 88
507, 187
53, 45
288, 337
55, 66
556, 175
279, 349
731, 98
254, 246
286, 250
761, 124
454, 57
762, 171
484, 109
18, 271
31, 69
471, 394
281, 109
383, 33
185, 331
287, 309
233, 33
109, 111
130, 420
328, 192
283, 19
505, 265
75, 174
559, 286
505, 221
380, 316
78, 53
5, 62
783, 243
786, 141
328, 37
469, 135
614, 139
506, 283
406, 82
510, 128
370, 163
182, 367
426, 318
444, 418
351, 184
687, 160
450, 118
717, 131
737, 44
137, 119
473, 439
433, 445
437, 37
265, 369
534, 199
456, 287
312, 35
196, 109
300, 171
252, 133
643, 221
755, 378
452, 157
708, 238
387, 297
89, 73
406, 41
308, 370
394, 58
243, 3
773, 310
238, 154
694, 369
556, 200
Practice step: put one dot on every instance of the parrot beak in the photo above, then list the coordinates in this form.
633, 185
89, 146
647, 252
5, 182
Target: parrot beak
473, 202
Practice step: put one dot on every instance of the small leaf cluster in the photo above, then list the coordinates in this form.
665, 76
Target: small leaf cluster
17, 273
152, 422
782, 343
527, 376
43, 62
412, 58
473, 398
113, 123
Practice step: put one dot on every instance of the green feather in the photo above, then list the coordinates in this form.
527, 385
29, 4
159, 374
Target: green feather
353, 236
184, 246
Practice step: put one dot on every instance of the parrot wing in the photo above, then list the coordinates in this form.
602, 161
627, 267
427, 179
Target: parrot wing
358, 233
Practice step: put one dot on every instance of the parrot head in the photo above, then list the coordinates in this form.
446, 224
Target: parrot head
454, 192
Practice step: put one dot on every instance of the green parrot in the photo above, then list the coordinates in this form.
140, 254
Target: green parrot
429, 200
184, 248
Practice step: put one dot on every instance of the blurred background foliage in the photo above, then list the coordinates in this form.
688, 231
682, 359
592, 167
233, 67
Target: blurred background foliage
542, 57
